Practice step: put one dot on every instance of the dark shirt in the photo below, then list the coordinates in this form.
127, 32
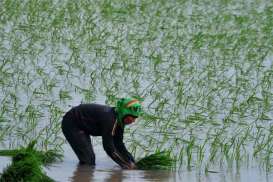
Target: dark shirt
99, 120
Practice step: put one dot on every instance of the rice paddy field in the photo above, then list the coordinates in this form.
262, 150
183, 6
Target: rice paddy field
203, 68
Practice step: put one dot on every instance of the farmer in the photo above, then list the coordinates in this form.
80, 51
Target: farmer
101, 120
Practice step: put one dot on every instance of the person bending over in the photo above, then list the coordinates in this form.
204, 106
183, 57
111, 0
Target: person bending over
101, 120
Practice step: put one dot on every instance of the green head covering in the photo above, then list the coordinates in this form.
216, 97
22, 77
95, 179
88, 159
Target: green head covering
127, 106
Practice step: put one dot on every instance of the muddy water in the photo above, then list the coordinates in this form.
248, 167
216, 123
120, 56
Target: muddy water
107, 171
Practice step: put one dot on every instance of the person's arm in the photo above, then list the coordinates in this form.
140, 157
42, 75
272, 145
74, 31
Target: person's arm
118, 142
110, 149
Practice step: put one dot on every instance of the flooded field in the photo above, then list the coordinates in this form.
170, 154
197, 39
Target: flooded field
107, 171
203, 68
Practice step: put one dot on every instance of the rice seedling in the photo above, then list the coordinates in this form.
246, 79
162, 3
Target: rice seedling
27, 164
158, 160
204, 68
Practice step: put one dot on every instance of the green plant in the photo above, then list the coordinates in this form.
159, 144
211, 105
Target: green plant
27, 164
158, 160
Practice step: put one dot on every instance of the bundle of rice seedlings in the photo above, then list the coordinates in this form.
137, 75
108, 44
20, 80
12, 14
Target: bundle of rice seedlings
24, 167
49, 156
158, 160
27, 164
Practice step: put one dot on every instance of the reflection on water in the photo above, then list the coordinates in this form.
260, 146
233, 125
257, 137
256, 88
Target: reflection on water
104, 171
107, 171
159, 175
114, 176
85, 173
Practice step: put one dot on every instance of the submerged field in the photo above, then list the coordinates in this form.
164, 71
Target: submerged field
203, 68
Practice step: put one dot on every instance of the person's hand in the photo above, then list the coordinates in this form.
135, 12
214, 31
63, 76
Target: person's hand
132, 165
